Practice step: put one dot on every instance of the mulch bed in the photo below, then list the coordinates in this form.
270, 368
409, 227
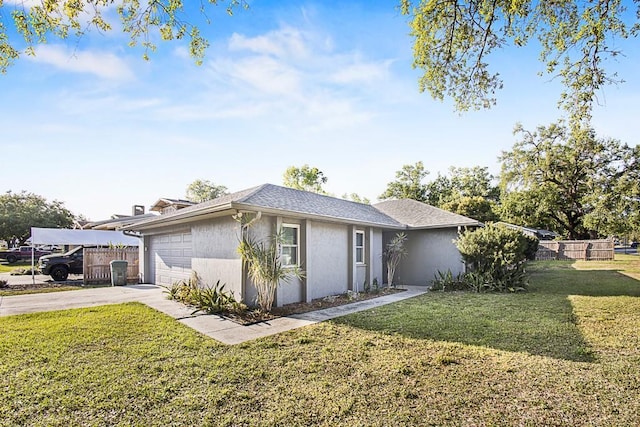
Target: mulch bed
252, 317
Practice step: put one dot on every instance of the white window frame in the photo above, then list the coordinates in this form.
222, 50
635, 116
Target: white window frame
356, 247
297, 245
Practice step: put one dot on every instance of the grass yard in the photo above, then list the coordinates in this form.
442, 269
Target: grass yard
43, 290
566, 353
5, 267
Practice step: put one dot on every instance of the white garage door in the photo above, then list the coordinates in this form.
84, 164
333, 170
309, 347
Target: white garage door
170, 257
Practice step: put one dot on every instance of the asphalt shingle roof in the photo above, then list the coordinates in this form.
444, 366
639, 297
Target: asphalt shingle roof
304, 202
289, 201
420, 215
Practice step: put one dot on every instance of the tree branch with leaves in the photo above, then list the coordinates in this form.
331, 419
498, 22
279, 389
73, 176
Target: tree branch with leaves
36, 22
454, 42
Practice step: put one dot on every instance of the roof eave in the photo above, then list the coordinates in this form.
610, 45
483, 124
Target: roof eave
179, 217
450, 225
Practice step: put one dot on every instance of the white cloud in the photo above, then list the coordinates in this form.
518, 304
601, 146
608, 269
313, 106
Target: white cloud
265, 74
287, 77
362, 72
102, 64
285, 42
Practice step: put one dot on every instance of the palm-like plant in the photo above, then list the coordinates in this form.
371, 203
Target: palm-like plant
264, 266
393, 252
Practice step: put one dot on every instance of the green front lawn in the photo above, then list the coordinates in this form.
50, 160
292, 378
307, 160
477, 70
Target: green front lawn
566, 353
45, 290
5, 267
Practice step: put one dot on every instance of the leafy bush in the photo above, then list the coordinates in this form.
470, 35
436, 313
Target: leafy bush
181, 290
498, 254
446, 281
4, 284
215, 300
478, 282
532, 247
208, 299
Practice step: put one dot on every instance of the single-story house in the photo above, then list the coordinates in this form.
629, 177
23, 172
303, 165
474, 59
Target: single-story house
338, 243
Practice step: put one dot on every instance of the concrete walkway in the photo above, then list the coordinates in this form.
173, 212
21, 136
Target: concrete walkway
216, 327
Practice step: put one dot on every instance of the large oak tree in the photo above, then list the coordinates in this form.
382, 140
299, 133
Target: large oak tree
571, 182
21, 211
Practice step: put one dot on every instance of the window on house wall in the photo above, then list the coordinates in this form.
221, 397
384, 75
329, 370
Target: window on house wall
359, 247
289, 248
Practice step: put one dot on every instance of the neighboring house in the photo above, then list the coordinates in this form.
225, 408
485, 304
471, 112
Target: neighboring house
116, 222
338, 243
166, 206
430, 239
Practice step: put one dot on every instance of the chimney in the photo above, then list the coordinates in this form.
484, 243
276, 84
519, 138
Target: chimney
138, 210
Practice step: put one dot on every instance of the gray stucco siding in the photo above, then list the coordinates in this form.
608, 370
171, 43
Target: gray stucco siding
376, 256
327, 266
361, 277
215, 255
217, 238
427, 252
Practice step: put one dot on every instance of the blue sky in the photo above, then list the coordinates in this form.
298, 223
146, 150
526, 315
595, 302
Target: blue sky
285, 83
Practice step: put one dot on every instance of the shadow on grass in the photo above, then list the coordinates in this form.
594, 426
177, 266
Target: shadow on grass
541, 322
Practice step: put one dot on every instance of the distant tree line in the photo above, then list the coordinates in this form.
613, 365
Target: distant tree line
561, 178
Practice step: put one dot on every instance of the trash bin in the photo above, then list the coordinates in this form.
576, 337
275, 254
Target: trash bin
118, 272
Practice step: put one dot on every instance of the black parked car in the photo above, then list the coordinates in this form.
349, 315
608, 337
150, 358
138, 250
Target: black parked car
60, 266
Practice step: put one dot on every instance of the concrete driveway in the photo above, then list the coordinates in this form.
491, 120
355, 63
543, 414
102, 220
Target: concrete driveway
216, 327
37, 279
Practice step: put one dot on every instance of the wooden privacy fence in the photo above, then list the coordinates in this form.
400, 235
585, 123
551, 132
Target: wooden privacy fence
96, 266
588, 250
